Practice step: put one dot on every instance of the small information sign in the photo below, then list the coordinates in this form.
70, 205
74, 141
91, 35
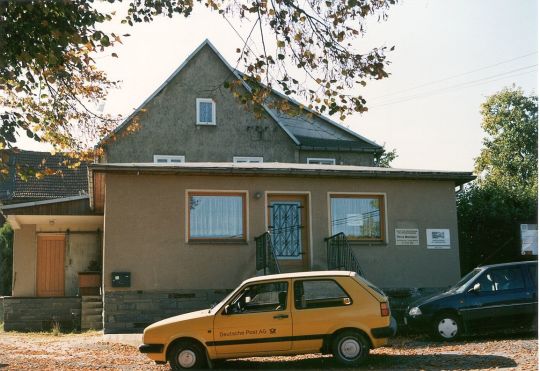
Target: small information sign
529, 239
407, 237
438, 238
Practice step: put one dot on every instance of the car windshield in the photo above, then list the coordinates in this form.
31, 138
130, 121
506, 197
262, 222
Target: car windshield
216, 305
465, 279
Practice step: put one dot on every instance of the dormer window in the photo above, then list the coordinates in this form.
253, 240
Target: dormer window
321, 161
168, 159
206, 111
249, 160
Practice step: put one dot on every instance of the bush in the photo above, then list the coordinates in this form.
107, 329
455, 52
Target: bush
6, 259
489, 217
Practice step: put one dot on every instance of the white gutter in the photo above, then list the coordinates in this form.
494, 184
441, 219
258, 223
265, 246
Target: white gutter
45, 202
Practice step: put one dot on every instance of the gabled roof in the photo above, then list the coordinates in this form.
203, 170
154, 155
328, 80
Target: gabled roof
70, 182
301, 129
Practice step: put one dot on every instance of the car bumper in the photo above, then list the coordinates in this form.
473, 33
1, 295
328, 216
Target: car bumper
385, 332
418, 323
151, 348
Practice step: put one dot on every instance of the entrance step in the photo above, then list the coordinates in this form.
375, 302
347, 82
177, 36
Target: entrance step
91, 326
92, 298
86, 306
92, 313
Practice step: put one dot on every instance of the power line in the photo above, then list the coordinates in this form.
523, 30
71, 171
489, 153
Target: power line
420, 96
453, 76
463, 85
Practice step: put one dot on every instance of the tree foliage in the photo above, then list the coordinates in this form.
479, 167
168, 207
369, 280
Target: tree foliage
49, 79
506, 192
385, 158
6, 259
510, 154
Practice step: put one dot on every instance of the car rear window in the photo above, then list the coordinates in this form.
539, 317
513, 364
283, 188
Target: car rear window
319, 294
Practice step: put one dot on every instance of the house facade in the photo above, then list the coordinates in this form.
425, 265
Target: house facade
192, 117
189, 186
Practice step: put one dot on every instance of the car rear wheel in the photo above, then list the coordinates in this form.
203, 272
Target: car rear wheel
350, 348
447, 327
186, 355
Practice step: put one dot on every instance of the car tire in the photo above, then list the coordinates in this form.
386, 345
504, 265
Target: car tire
186, 355
447, 327
350, 347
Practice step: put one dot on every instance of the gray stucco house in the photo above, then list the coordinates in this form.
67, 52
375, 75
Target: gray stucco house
192, 117
193, 191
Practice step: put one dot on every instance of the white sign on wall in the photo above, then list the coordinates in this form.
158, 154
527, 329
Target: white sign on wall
529, 239
407, 237
438, 238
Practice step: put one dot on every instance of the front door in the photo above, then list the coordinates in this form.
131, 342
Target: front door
288, 226
50, 265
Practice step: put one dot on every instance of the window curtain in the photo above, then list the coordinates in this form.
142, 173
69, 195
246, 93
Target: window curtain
356, 217
205, 112
216, 217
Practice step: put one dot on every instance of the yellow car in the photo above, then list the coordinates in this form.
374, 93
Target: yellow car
284, 314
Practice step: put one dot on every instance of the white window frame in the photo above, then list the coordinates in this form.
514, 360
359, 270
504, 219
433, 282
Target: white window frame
247, 159
168, 159
206, 100
318, 160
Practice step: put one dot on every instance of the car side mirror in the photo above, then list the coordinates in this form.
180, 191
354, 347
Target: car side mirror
475, 288
226, 309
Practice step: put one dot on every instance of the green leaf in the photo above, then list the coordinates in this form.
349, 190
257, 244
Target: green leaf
105, 40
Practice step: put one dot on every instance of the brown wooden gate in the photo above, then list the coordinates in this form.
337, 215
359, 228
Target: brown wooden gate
50, 265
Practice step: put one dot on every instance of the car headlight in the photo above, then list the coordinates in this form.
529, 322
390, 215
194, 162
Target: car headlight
415, 311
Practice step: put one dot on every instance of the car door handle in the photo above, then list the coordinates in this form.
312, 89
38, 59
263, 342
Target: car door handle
281, 316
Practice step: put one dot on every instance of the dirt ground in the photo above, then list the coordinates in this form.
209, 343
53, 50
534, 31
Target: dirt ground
88, 351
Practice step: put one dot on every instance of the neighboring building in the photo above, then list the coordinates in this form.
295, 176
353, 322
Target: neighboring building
19, 185
181, 201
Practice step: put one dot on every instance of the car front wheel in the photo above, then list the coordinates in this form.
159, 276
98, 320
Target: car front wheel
350, 348
186, 355
446, 327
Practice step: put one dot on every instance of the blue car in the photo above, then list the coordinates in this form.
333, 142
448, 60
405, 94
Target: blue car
498, 296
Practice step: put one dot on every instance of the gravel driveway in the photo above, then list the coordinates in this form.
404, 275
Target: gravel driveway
88, 351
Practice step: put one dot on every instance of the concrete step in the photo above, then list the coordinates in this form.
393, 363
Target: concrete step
96, 310
92, 305
92, 318
91, 326
91, 298
92, 314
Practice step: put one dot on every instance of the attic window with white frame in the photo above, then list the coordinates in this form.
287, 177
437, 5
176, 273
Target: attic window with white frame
242, 159
321, 161
169, 159
206, 111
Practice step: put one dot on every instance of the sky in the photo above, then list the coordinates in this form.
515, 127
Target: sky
449, 56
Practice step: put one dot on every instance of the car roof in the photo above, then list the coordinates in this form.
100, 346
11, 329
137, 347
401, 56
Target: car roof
300, 275
508, 264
